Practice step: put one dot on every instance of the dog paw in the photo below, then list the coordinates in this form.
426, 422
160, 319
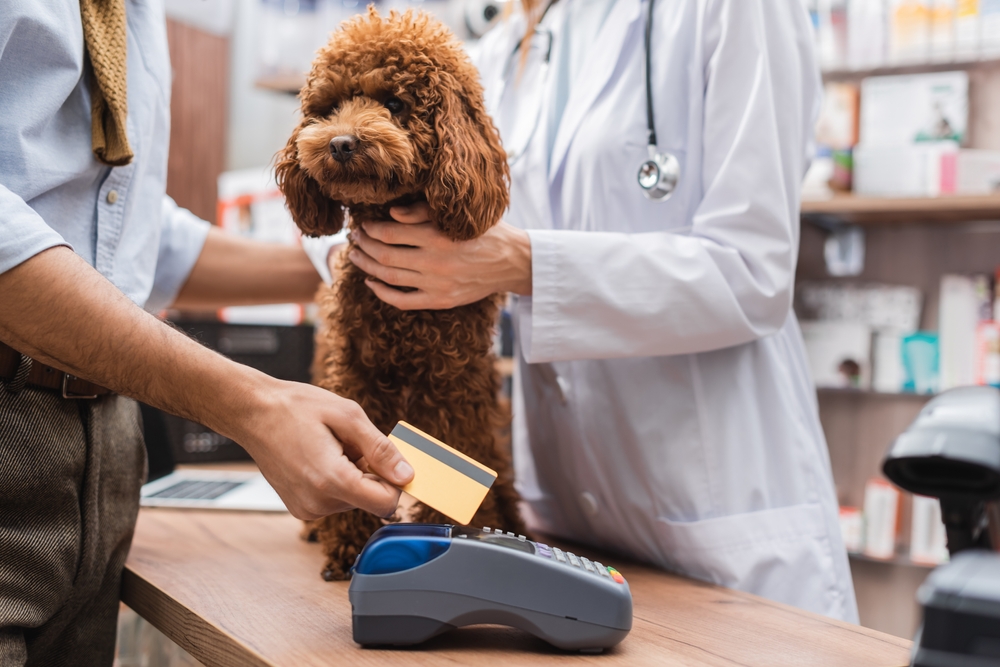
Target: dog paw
332, 573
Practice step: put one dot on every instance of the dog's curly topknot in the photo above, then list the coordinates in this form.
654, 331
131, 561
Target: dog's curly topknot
393, 113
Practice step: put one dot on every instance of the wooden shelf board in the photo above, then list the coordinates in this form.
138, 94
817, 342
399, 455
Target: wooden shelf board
898, 559
909, 68
868, 393
282, 83
891, 210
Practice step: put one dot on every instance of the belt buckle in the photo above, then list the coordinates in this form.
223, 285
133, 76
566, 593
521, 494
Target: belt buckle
76, 397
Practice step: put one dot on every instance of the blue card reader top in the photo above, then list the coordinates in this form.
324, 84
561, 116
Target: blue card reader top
402, 546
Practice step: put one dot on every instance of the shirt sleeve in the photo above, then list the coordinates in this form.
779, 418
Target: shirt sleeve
726, 279
182, 237
318, 250
23, 233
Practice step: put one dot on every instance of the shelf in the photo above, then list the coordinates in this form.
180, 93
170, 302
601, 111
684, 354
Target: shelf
290, 84
911, 68
896, 211
868, 393
898, 559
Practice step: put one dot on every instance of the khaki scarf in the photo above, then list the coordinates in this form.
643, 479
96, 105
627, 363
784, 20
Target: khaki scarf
104, 35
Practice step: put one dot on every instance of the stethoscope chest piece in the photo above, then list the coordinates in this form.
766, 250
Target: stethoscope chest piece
658, 176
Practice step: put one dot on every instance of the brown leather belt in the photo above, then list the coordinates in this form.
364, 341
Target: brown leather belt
47, 377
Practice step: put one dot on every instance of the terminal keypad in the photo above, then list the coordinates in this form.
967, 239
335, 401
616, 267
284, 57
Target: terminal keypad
569, 559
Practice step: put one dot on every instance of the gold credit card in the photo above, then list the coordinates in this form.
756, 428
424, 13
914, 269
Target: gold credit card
444, 478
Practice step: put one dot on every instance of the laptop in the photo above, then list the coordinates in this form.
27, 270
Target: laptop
198, 489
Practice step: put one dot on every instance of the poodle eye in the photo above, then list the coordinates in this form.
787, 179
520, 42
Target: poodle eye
394, 105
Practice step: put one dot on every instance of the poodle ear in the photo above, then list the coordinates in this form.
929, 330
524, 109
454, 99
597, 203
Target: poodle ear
467, 192
314, 212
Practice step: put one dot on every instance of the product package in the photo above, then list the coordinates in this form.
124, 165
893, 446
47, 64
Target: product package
965, 301
852, 529
881, 519
989, 28
921, 362
910, 28
942, 37
838, 353
904, 109
966, 28
928, 541
988, 354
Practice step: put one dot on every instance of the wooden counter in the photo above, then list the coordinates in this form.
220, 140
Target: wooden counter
242, 589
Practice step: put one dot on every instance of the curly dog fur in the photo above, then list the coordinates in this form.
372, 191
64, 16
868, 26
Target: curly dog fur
407, 95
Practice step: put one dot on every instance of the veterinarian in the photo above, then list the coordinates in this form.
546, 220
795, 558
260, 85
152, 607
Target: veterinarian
89, 246
663, 407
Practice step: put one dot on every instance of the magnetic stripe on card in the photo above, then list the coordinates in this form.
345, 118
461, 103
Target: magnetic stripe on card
449, 458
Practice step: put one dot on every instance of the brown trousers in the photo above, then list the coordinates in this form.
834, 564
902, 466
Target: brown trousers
70, 473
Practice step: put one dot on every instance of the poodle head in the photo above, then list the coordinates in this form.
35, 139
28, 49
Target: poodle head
393, 111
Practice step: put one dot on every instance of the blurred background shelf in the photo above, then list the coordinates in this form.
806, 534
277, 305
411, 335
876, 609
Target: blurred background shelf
902, 211
910, 68
289, 84
898, 559
868, 393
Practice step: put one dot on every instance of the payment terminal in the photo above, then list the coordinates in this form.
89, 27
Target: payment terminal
415, 581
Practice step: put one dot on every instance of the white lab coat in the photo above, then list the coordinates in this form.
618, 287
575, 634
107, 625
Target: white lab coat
663, 406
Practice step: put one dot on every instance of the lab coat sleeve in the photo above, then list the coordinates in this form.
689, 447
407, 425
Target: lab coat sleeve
182, 237
727, 278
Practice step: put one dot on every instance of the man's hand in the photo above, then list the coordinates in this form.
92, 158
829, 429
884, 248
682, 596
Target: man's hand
317, 449
321, 454
412, 252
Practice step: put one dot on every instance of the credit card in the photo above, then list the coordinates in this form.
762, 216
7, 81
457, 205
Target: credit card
443, 478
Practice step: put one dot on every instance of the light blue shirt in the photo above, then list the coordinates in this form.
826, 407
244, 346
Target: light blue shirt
52, 190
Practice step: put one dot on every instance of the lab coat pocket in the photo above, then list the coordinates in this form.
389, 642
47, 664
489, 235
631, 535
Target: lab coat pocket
783, 554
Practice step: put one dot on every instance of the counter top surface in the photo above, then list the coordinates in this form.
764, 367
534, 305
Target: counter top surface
237, 588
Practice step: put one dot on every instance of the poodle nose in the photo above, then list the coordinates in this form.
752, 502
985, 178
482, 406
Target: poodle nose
342, 148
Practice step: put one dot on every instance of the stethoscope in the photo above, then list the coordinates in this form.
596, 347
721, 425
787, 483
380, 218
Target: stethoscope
659, 173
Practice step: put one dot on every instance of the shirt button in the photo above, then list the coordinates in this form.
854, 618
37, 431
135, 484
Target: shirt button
112, 196
589, 504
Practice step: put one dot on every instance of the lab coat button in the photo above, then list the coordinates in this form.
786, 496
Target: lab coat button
589, 504
112, 196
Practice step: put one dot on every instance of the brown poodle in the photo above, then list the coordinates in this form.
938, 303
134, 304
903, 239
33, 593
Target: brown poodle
392, 114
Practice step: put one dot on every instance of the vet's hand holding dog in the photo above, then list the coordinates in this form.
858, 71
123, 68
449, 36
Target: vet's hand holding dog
411, 251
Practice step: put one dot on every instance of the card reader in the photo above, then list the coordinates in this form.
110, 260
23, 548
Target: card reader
415, 581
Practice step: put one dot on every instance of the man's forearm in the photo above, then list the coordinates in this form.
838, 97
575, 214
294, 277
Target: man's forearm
233, 271
57, 309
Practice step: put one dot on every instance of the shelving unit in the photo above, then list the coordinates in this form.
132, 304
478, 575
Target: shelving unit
851, 209
288, 84
898, 559
909, 68
868, 393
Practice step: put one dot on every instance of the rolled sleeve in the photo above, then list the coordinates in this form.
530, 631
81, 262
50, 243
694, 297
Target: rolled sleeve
23, 233
181, 241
